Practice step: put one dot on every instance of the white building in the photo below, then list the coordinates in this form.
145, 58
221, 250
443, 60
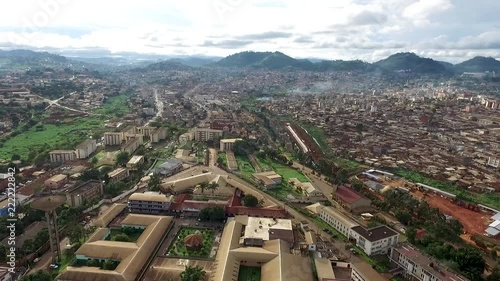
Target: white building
112, 138
227, 144
494, 162
338, 221
417, 266
375, 241
84, 149
149, 203
62, 156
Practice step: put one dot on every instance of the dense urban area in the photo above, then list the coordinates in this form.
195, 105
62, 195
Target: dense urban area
254, 167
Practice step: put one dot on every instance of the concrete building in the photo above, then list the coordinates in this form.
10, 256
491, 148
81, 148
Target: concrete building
84, 192
189, 136
158, 135
86, 148
56, 181
149, 203
131, 257
118, 174
375, 241
362, 271
62, 156
310, 192
338, 221
132, 144
273, 256
203, 134
227, 144
170, 167
135, 162
269, 180
417, 266
113, 138
351, 200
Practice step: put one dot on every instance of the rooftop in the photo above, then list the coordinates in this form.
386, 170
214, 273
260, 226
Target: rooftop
348, 195
135, 159
150, 196
376, 233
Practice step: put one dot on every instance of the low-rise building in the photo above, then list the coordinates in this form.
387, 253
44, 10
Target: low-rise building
269, 180
375, 241
118, 174
338, 221
132, 144
84, 192
418, 266
362, 271
149, 203
134, 162
351, 200
309, 191
62, 156
56, 181
170, 167
203, 134
227, 144
86, 148
113, 138
189, 136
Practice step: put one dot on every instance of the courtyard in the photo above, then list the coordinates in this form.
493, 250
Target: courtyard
180, 249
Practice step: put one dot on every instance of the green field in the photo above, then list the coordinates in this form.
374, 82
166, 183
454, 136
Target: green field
244, 165
248, 273
65, 135
285, 171
222, 157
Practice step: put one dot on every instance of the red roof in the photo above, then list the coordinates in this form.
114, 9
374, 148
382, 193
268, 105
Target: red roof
347, 195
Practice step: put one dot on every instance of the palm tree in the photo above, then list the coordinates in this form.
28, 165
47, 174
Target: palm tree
213, 186
204, 185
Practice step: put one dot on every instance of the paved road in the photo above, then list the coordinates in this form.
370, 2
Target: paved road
46, 259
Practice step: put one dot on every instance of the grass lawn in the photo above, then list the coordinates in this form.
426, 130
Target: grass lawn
178, 248
63, 136
245, 165
115, 106
132, 234
285, 171
222, 157
248, 273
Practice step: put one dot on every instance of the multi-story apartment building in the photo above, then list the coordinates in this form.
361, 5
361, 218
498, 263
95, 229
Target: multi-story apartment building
86, 191
135, 162
56, 181
113, 138
494, 162
375, 241
362, 271
84, 149
227, 144
118, 174
132, 144
338, 221
418, 267
62, 156
149, 203
158, 135
189, 136
203, 134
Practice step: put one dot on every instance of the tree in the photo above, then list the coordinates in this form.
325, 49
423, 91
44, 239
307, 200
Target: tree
41, 275
3, 253
470, 262
154, 183
122, 158
108, 265
94, 160
121, 237
203, 186
15, 157
213, 213
76, 233
250, 201
193, 273
213, 186
411, 233
404, 217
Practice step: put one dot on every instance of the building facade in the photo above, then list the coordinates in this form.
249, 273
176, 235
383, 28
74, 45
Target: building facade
375, 241
149, 203
338, 221
86, 148
118, 174
113, 138
227, 144
84, 192
202, 134
62, 156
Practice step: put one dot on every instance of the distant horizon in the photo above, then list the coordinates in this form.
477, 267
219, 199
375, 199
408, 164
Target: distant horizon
445, 30
164, 57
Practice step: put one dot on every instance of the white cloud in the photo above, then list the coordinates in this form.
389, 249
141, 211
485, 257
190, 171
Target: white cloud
420, 11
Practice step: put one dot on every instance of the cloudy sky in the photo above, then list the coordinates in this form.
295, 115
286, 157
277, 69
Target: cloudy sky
450, 30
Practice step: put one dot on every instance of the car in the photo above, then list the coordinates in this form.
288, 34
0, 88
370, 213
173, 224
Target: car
54, 266
205, 171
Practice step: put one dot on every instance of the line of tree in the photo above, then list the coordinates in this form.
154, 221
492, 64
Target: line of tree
213, 213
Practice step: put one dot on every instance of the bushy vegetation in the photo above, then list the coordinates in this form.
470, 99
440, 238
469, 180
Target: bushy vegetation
178, 248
